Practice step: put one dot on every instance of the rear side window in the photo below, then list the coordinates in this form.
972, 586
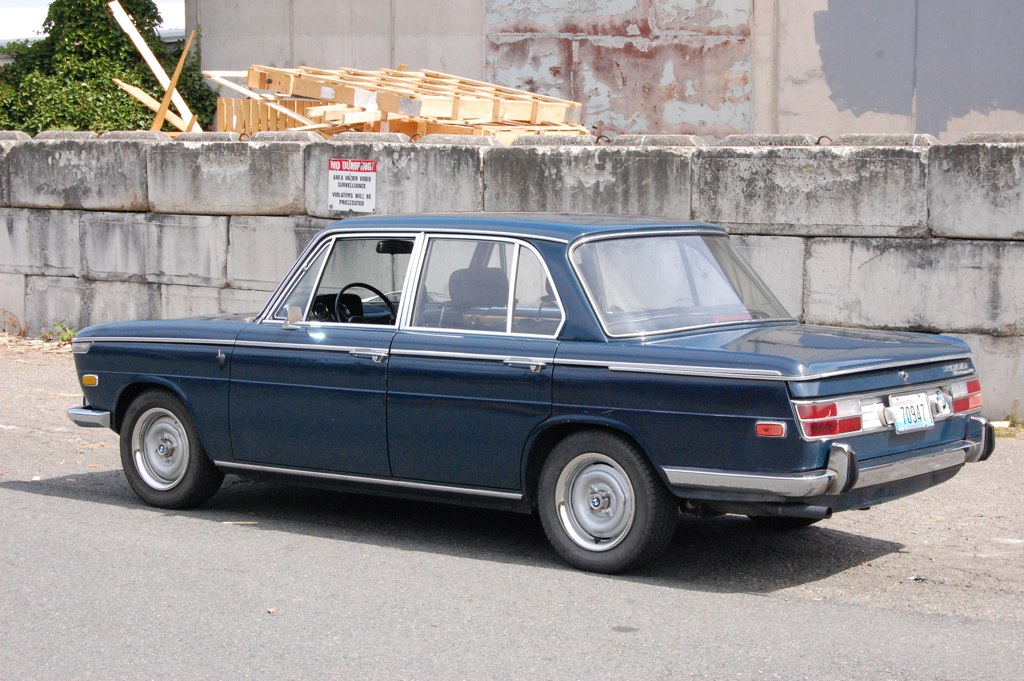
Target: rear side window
485, 285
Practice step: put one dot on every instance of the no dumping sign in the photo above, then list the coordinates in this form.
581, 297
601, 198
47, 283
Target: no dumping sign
352, 185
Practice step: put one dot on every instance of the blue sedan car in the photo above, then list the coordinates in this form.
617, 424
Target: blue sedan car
603, 372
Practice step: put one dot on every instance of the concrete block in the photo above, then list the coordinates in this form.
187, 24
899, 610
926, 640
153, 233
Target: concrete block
209, 136
66, 135
932, 285
976, 191
813, 191
111, 301
155, 248
1000, 363
410, 178
227, 178
263, 249
658, 141
1014, 137
5, 174
12, 303
555, 141
49, 300
779, 261
777, 140
649, 181
461, 140
58, 171
285, 136
39, 241
179, 302
885, 140
14, 136
136, 135
244, 301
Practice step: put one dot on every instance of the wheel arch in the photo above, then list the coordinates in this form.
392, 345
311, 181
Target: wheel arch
551, 432
132, 390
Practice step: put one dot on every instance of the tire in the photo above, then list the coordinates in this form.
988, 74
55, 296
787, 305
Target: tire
163, 459
601, 504
782, 523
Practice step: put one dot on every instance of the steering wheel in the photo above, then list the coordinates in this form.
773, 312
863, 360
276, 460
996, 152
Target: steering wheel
342, 313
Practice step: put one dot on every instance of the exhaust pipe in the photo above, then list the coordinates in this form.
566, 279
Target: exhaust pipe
798, 511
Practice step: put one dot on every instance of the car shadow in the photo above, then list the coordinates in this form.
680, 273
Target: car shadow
720, 554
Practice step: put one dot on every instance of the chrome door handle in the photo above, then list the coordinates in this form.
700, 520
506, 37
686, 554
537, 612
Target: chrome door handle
535, 366
377, 356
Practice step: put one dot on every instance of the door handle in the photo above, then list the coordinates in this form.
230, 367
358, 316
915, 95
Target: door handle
534, 365
377, 356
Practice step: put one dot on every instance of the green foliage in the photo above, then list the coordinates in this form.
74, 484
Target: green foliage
63, 81
60, 332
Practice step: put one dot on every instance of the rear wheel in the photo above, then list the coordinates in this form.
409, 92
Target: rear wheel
601, 504
161, 454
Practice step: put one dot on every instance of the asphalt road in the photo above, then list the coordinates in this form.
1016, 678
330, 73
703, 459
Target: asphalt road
274, 582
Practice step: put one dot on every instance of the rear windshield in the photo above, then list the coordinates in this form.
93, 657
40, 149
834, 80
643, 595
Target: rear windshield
661, 283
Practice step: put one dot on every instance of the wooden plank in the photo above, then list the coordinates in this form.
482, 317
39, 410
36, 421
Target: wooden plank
255, 95
158, 121
126, 24
150, 103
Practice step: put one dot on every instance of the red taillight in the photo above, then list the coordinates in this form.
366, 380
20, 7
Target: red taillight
825, 419
966, 395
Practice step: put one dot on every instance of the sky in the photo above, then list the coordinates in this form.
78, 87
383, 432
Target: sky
20, 19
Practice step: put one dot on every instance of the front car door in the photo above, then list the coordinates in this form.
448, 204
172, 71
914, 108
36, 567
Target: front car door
309, 393
469, 374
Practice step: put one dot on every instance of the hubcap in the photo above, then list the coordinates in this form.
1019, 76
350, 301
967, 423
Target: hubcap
160, 449
595, 502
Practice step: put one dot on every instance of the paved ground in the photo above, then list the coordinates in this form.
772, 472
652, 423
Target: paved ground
270, 581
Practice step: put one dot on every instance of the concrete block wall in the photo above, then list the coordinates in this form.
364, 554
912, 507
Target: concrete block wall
895, 232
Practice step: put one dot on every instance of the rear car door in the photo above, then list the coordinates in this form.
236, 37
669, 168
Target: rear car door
470, 372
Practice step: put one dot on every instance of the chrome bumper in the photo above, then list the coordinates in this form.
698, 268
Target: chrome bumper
89, 418
842, 472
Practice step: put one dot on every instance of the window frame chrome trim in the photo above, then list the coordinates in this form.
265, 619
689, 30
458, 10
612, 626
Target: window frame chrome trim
515, 241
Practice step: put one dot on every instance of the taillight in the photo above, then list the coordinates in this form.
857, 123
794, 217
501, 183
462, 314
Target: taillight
966, 395
824, 419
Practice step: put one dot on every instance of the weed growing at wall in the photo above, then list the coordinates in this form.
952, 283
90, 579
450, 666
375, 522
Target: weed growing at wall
63, 81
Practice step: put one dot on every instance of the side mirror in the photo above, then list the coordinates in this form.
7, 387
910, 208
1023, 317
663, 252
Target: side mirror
294, 317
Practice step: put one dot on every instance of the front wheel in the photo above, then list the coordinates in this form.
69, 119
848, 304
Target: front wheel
161, 454
602, 506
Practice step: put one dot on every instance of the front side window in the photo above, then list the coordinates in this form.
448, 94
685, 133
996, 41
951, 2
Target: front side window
485, 285
356, 280
656, 284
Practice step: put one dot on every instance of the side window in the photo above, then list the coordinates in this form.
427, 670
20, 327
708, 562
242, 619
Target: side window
360, 282
536, 309
466, 285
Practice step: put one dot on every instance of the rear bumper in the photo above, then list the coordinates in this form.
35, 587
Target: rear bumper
842, 474
89, 418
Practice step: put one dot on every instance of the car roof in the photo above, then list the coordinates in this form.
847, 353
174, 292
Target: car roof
564, 227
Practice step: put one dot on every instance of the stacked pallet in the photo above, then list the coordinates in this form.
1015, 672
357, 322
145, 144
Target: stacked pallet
416, 103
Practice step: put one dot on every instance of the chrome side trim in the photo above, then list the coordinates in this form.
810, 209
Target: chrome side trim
753, 374
89, 418
442, 231
812, 484
439, 354
156, 339
389, 482
909, 468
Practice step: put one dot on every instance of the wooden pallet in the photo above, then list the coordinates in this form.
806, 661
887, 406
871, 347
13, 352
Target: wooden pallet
417, 103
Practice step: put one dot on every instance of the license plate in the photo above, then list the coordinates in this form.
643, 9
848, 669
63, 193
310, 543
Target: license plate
912, 412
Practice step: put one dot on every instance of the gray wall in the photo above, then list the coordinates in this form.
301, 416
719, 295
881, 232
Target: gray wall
874, 232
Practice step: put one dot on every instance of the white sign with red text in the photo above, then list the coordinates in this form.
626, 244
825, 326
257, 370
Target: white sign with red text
352, 185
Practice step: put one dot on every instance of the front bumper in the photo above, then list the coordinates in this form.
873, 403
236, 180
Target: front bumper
87, 417
842, 473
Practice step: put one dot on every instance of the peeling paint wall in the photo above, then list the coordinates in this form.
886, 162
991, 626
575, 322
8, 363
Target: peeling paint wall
942, 67
636, 65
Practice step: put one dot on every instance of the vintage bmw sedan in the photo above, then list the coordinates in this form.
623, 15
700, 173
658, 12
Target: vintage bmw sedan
602, 371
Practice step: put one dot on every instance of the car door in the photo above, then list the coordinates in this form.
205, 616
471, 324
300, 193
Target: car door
309, 393
469, 375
